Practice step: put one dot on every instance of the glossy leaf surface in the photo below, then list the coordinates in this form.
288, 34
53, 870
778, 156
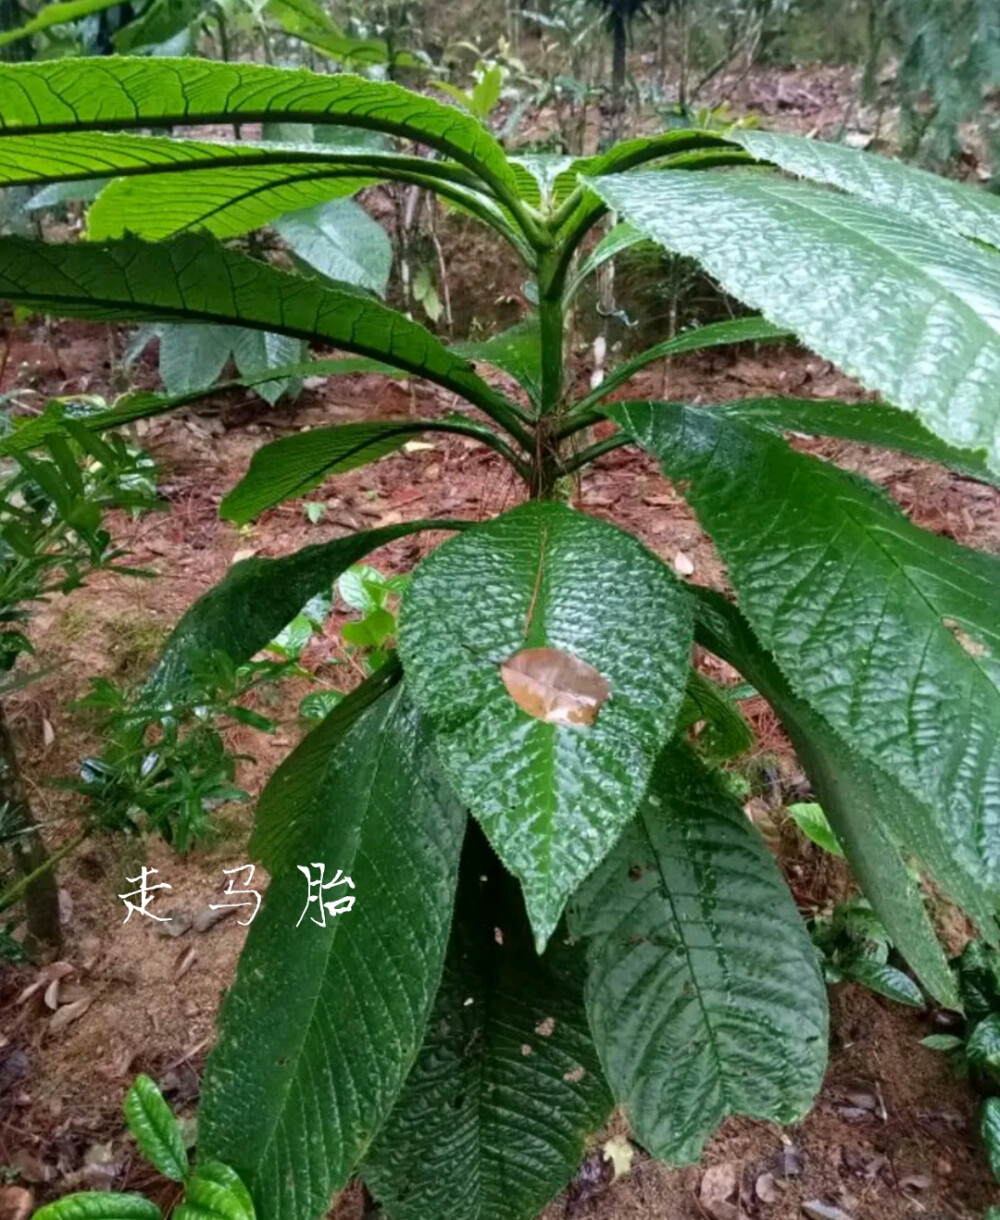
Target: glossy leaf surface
315, 1044
908, 311
552, 798
99, 1205
889, 632
870, 815
495, 1116
703, 991
947, 205
867, 423
156, 1130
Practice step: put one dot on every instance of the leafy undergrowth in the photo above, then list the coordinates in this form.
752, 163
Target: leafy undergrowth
891, 1133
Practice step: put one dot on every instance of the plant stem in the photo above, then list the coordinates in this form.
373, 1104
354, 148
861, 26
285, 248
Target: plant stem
18, 890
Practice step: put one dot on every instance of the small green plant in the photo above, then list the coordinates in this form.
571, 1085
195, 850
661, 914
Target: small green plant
974, 1050
375, 598
52, 537
541, 848
854, 945
210, 1188
166, 765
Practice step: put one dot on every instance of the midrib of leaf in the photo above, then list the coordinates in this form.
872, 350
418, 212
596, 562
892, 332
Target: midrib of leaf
721, 956
503, 183
317, 998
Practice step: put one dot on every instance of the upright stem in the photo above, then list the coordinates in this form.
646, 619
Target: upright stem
551, 318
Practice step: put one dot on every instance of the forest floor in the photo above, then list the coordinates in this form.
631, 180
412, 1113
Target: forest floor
890, 1137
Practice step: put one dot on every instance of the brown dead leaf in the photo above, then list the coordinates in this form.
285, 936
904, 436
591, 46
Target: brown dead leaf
719, 1194
16, 1203
554, 686
67, 1015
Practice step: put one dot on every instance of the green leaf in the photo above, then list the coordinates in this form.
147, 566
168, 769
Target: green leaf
908, 311
297, 794
517, 351
811, 820
198, 279
223, 202
99, 1205
552, 794
341, 241
983, 1045
724, 733
942, 1042
192, 357
258, 597
989, 1132
889, 632
55, 14
946, 205
122, 94
215, 1192
258, 351
704, 994
856, 797
309, 21
883, 979
292, 466
495, 1117
714, 334
315, 1044
156, 1130
868, 423
160, 21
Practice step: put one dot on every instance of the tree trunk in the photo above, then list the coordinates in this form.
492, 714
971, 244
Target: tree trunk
41, 900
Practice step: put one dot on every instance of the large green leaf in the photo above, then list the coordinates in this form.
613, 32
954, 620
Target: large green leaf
195, 278
258, 597
947, 205
704, 993
909, 311
120, 94
341, 241
552, 797
326, 1015
869, 814
494, 1118
890, 632
868, 423
290, 467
